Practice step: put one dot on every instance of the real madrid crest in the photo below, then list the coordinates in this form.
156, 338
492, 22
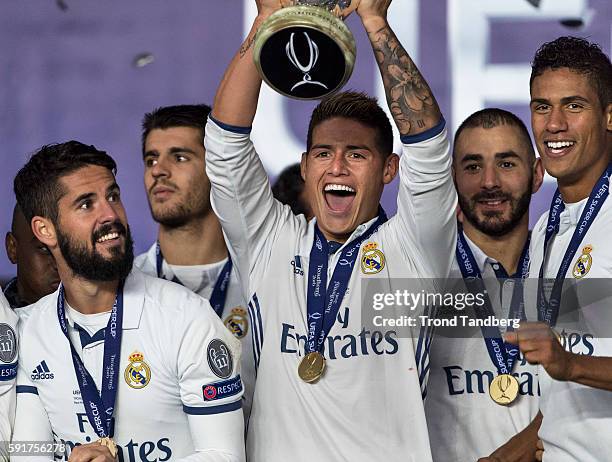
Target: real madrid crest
137, 373
238, 322
372, 259
584, 262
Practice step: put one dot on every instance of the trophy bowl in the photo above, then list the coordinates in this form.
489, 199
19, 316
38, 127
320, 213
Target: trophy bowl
304, 50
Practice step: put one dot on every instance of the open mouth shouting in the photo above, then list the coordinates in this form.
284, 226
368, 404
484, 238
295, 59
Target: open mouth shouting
339, 197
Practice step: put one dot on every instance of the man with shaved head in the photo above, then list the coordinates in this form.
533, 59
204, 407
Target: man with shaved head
36, 271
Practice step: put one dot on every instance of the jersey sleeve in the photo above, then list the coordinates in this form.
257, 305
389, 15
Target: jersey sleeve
8, 371
213, 439
31, 424
208, 362
31, 421
425, 222
242, 198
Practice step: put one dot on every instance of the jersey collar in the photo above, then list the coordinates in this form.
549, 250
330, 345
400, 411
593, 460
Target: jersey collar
308, 238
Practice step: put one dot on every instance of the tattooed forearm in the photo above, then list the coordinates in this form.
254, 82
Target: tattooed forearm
248, 43
410, 100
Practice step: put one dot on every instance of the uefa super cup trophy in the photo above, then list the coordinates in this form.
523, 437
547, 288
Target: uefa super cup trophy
304, 50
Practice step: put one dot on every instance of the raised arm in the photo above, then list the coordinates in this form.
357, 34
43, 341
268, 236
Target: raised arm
236, 99
240, 190
410, 99
426, 202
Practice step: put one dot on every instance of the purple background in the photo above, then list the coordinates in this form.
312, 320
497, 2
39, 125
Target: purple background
69, 75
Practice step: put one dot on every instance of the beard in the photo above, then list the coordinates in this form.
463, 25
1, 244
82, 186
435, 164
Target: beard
493, 223
194, 205
90, 264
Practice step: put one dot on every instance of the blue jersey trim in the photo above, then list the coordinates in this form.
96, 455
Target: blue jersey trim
231, 128
426, 135
26, 389
213, 409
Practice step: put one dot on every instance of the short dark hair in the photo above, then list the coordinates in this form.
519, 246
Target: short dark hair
288, 189
184, 115
580, 56
494, 117
37, 185
355, 106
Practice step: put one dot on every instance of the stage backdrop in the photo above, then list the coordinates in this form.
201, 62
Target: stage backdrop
89, 70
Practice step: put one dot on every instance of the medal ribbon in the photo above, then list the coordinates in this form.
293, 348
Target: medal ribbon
323, 302
219, 293
548, 311
99, 406
502, 354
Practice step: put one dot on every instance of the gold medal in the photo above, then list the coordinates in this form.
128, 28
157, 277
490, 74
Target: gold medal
110, 444
504, 389
311, 367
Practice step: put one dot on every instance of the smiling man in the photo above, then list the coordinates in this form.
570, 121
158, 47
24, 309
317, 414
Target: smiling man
328, 386
496, 173
571, 117
115, 364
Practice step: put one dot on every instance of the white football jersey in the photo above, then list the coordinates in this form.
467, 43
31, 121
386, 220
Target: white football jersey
8, 371
577, 419
177, 360
368, 404
235, 316
465, 424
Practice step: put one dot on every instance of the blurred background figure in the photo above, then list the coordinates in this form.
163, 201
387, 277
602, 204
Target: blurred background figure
36, 271
289, 189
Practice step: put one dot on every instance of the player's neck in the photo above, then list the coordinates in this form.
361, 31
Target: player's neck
199, 242
576, 189
505, 249
23, 293
89, 297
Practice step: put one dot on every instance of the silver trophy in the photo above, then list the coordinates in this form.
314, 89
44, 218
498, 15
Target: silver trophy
304, 50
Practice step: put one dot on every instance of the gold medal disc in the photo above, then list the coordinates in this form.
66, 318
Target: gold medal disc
110, 444
311, 367
504, 389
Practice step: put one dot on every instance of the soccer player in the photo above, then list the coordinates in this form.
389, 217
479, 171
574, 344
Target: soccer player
190, 249
36, 271
495, 172
116, 363
8, 372
571, 117
329, 387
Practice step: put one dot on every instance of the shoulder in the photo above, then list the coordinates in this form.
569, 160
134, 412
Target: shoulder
39, 314
539, 229
168, 303
146, 261
7, 315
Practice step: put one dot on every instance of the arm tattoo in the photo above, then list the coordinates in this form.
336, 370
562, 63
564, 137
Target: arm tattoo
408, 95
248, 43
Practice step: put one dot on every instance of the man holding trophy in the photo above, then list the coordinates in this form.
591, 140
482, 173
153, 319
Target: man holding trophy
330, 387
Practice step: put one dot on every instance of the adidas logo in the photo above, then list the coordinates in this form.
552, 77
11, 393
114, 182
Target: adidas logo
42, 372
